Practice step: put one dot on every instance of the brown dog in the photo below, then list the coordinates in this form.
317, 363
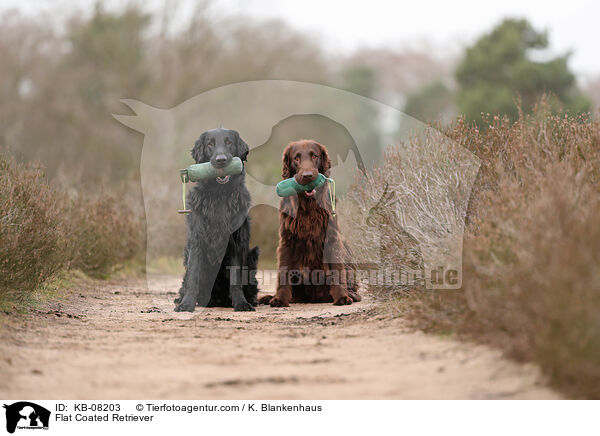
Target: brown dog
312, 253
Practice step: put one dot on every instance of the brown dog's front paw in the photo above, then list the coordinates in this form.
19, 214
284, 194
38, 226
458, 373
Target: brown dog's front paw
265, 299
354, 295
276, 302
343, 301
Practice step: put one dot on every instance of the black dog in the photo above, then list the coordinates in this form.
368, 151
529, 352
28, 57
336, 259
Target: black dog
219, 232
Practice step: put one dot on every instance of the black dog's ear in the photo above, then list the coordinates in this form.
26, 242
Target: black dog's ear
325, 161
241, 148
198, 149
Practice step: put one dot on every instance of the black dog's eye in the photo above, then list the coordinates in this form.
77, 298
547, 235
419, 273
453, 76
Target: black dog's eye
228, 141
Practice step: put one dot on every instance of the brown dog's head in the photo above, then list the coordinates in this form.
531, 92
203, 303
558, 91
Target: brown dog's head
304, 160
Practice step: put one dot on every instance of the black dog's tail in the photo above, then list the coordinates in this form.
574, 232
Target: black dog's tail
251, 289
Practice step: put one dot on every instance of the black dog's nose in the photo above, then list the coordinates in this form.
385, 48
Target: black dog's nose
220, 159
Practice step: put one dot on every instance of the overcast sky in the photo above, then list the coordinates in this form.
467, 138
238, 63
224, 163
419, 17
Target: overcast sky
447, 25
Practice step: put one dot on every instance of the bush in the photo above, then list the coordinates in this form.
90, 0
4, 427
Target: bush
413, 207
532, 251
32, 238
43, 231
104, 232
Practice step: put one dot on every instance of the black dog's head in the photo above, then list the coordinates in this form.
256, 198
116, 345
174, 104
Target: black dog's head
219, 146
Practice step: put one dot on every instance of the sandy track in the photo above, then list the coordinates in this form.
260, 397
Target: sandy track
123, 341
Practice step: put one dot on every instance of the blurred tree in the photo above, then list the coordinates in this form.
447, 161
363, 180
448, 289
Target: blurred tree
110, 48
401, 70
59, 88
27, 55
106, 62
593, 90
431, 102
498, 68
361, 79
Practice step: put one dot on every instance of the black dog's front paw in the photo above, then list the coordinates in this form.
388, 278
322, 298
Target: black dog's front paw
185, 307
243, 306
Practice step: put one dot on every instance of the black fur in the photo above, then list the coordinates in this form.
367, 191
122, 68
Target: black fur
218, 232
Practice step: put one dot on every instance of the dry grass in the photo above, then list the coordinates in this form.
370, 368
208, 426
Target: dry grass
531, 265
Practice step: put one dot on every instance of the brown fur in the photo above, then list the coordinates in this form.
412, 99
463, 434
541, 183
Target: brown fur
307, 226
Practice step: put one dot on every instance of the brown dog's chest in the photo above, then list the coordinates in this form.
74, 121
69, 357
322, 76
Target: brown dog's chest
305, 234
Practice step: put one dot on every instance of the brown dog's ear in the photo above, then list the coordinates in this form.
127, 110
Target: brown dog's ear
325, 161
287, 171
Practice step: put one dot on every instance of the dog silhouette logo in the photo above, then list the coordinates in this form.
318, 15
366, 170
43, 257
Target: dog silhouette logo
420, 207
26, 415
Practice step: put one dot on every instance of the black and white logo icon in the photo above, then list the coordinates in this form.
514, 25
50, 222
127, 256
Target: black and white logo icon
26, 415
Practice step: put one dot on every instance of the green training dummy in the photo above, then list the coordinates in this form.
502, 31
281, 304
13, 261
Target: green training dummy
204, 171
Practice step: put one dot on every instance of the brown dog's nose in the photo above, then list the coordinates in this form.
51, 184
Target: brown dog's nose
307, 176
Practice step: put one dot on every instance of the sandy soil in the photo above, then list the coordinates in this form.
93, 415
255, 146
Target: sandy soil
123, 341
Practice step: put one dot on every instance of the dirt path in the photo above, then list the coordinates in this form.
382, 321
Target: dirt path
123, 341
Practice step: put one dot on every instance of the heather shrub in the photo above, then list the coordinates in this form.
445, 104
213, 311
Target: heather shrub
104, 233
32, 238
410, 211
531, 249
44, 230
